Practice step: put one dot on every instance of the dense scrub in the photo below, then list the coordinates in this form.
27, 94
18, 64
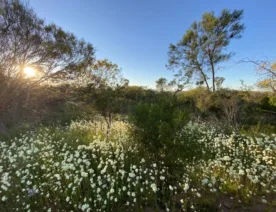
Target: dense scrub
79, 167
248, 111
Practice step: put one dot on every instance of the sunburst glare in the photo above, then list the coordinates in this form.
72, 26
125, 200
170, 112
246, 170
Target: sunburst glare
29, 71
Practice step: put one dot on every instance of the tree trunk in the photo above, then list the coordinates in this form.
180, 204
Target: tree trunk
213, 73
203, 75
205, 80
213, 78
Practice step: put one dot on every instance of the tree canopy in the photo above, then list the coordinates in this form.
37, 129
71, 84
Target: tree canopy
203, 46
267, 72
161, 84
27, 41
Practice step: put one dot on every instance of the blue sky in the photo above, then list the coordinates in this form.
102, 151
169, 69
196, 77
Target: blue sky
136, 34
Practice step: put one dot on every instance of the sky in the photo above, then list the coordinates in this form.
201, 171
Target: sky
136, 34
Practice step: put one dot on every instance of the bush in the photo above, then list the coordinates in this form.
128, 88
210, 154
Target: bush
272, 101
155, 126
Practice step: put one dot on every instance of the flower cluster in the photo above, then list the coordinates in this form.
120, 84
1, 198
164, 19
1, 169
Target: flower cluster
79, 168
104, 175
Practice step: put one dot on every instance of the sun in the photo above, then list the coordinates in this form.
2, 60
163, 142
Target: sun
29, 71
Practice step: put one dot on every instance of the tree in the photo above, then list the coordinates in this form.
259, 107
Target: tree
219, 81
203, 46
51, 53
26, 41
161, 84
105, 89
107, 73
108, 101
179, 82
267, 72
99, 73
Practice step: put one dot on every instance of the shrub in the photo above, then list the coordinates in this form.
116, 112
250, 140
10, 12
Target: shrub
155, 126
272, 101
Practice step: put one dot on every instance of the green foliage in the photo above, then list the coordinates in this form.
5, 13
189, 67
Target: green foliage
203, 46
219, 81
272, 101
257, 129
139, 94
199, 99
161, 84
52, 51
238, 109
267, 71
27, 41
156, 125
108, 101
